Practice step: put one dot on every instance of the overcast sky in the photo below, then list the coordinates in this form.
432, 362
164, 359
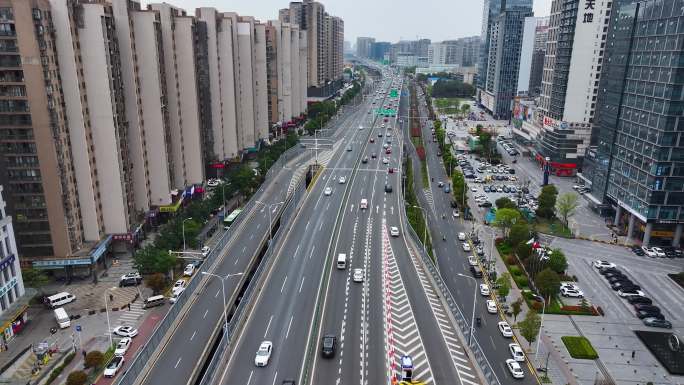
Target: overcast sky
382, 19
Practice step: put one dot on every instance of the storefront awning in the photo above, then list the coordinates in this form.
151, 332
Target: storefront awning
17, 308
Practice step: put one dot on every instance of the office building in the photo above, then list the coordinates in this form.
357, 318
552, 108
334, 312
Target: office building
502, 34
462, 52
363, 46
532, 52
572, 69
636, 168
380, 50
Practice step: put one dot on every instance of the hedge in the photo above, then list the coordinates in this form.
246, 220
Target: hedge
58, 370
579, 348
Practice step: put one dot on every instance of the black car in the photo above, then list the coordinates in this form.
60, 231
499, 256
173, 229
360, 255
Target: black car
388, 188
618, 278
609, 270
288, 382
638, 251
328, 346
639, 299
625, 286
364, 160
645, 307
613, 274
374, 155
641, 314
657, 323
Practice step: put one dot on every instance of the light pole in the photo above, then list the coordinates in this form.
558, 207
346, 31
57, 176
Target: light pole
183, 228
270, 222
109, 325
424, 226
472, 318
541, 325
223, 290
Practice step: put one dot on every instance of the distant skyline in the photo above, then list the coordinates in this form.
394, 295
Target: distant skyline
382, 19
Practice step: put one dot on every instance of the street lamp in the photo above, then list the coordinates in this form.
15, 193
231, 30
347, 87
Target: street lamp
183, 228
472, 318
541, 325
270, 222
109, 325
223, 290
424, 226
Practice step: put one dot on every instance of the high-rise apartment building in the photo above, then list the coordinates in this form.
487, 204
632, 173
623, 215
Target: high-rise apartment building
363, 46
572, 69
462, 52
380, 50
532, 52
502, 33
636, 167
41, 184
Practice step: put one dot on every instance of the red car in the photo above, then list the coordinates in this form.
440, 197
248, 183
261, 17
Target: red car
388, 151
385, 120
391, 170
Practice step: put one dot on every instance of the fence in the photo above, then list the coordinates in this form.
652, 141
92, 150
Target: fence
146, 353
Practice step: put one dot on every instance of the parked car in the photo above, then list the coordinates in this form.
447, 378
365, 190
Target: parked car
567, 292
517, 352
631, 293
514, 368
636, 299
600, 264
641, 314
491, 306
122, 346
657, 323
113, 366
125, 331
484, 289
505, 329
465, 246
625, 285
646, 307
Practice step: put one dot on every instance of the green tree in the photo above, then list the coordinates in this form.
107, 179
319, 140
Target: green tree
547, 202
465, 109
557, 261
548, 282
566, 204
505, 203
459, 187
523, 250
505, 218
244, 180
516, 308
150, 260
485, 142
520, 232
529, 327
156, 282
94, 359
34, 278
504, 285
77, 377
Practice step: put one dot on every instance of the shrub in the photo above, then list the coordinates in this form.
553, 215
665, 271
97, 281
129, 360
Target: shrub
523, 250
538, 306
512, 260
515, 270
77, 377
579, 348
58, 370
521, 281
504, 248
94, 359
578, 310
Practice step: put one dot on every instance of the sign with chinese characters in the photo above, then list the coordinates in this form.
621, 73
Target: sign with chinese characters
588, 13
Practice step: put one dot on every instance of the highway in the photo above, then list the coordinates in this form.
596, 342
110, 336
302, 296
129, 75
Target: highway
391, 310
179, 359
452, 260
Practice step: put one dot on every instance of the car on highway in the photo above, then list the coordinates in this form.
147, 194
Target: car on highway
394, 231
461, 236
630, 293
389, 150
388, 188
125, 331
327, 191
385, 160
599, 264
484, 289
342, 180
505, 329
372, 140
455, 213
567, 292
364, 160
263, 354
179, 285
390, 170
657, 323
514, 368
379, 134
122, 346
447, 189
358, 275
373, 155
189, 270
328, 346
113, 366
491, 306
349, 147
176, 294
516, 352
465, 246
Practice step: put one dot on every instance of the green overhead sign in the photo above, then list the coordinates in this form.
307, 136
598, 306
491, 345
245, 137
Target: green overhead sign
394, 93
386, 111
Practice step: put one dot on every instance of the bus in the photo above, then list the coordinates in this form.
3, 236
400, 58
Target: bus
230, 219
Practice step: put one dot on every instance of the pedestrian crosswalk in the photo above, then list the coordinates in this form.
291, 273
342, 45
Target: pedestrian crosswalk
130, 317
429, 198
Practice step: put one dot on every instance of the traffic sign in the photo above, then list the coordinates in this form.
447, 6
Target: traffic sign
78, 328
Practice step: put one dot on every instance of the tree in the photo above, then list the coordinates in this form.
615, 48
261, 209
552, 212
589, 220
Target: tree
459, 187
548, 282
547, 201
523, 250
505, 203
519, 233
566, 204
557, 261
34, 278
94, 359
505, 218
529, 327
77, 377
150, 259
485, 141
516, 308
156, 282
504, 285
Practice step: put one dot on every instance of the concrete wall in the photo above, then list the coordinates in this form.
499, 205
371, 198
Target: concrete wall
245, 86
227, 92
261, 96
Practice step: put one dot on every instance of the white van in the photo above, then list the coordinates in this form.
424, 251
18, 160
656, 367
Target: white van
62, 318
156, 300
59, 299
364, 203
342, 261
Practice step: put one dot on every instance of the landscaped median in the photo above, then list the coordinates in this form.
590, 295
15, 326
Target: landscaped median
579, 348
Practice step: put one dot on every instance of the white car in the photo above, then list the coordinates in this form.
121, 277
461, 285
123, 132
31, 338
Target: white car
394, 231
466, 247
514, 368
568, 292
327, 191
649, 252
358, 275
472, 261
122, 346
484, 289
385, 161
599, 264
342, 180
473, 189
125, 331
491, 307
659, 252
176, 294
455, 214
205, 250
461, 236
178, 286
517, 352
263, 354
631, 293
569, 285
505, 330
212, 182
189, 270
114, 365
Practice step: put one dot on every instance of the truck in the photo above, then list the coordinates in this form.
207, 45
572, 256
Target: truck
62, 318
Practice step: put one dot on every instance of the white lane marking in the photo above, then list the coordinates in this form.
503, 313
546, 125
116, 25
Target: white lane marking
249, 380
274, 377
301, 284
283, 287
251, 237
268, 326
243, 249
236, 261
295, 253
205, 314
320, 226
193, 335
288, 327
177, 362
217, 293
307, 225
312, 250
